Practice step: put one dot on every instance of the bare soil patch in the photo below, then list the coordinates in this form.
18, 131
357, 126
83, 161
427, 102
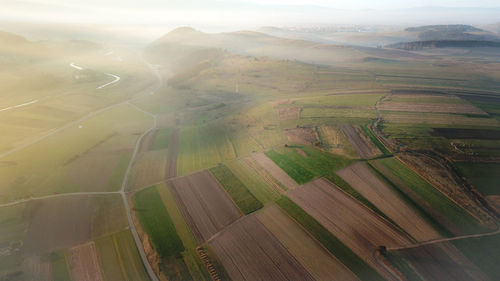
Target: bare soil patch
361, 178
204, 204
364, 147
249, 251
84, 263
289, 113
173, 150
309, 252
264, 174
58, 223
356, 226
442, 262
275, 170
303, 135
494, 201
431, 107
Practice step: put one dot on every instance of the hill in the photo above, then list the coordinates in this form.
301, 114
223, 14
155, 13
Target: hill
451, 32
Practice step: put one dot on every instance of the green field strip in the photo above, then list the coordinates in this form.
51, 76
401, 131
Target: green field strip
403, 266
191, 259
156, 222
129, 256
483, 252
240, 194
254, 182
111, 264
441, 229
457, 215
60, 267
368, 132
312, 164
329, 241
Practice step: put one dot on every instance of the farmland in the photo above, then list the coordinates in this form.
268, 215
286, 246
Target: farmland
316, 259
240, 194
304, 163
369, 230
363, 145
245, 249
360, 176
204, 204
450, 215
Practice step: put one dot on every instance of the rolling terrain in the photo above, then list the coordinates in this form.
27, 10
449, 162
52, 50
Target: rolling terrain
246, 156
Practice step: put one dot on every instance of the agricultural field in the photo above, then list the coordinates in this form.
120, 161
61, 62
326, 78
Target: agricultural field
257, 185
204, 204
303, 163
274, 171
108, 137
353, 224
320, 263
361, 177
451, 216
241, 195
361, 143
482, 252
443, 261
84, 263
249, 251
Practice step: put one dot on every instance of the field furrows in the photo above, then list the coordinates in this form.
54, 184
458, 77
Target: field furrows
361, 178
312, 255
249, 251
356, 226
275, 170
431, 107
204, 204
84, 263
361, 145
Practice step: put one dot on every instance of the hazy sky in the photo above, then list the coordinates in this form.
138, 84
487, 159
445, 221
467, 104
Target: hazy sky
251, 13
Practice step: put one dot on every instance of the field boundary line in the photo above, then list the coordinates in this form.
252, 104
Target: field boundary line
21, 201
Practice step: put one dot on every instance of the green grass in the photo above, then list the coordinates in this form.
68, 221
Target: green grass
162, 139
240, 194
254, 182
156, 222
483, 252
329, 241
108, 259
305, 168
128, 255
484, 176
59, 266
195, 266
457, 216
375, 140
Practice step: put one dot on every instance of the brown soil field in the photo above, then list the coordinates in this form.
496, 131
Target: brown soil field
356, 226
149, 168
309, 252
108, 215
275, 170
58, 223
303, 135
204, 204
361, 178
248, 251
264, 174
289, 113
431, 107
36, 270
84, 263
439, 177
364, 147
147, 141
442, 262
494, 201
173, 150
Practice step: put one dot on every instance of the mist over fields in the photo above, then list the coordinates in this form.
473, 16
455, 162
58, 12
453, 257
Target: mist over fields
249, 140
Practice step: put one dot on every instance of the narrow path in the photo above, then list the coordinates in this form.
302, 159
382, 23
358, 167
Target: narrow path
77, 67
21, 201
116, 79
19, 105
133, 230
